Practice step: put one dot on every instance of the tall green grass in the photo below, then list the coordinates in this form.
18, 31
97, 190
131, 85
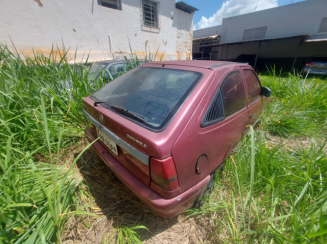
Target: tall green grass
269, 192
40, 114
274, 191
299, 106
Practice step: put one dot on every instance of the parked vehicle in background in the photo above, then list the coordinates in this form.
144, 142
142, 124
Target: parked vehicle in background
110, 69
316, 66
165, 128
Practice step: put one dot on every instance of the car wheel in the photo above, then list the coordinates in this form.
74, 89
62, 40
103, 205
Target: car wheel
200, 200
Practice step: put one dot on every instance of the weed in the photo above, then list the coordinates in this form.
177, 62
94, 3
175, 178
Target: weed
270, 191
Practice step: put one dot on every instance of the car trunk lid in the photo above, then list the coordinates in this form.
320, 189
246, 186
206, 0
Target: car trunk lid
120, 141
133, 111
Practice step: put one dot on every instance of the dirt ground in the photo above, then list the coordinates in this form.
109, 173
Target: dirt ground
118, 207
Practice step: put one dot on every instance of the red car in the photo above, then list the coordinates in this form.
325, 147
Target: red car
164, 128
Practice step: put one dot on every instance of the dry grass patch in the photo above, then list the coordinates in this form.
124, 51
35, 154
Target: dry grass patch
118, 207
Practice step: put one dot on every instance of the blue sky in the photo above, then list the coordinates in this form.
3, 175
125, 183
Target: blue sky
211, 12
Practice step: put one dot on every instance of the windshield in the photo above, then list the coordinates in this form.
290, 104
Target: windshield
95, 70
152, 94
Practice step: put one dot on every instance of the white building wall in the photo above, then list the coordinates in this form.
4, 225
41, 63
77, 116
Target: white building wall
289, 20
183, 23
210, 31
85, 25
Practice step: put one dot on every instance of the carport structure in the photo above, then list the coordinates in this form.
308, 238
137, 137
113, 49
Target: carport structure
289, 53
280, 49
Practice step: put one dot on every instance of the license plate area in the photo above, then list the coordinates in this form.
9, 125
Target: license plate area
108, 142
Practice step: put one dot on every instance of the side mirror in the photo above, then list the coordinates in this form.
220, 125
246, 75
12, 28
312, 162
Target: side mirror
265, 91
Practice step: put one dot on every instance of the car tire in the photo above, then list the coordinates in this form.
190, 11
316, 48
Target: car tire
200, 200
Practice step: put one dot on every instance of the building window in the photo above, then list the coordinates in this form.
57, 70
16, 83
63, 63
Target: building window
150, 13
323, 25
115, 4
254, 34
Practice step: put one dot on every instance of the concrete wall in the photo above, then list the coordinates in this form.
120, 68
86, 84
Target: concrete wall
289, 20
85, 25
211, 31
284, 48
183, 23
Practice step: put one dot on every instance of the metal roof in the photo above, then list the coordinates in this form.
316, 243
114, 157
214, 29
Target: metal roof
317, 38
206, 37
258, 40
185, 7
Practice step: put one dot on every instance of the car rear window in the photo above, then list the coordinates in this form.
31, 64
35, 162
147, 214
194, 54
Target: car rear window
152, 94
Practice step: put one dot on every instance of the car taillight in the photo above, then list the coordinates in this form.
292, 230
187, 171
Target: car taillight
308, 64
163, 173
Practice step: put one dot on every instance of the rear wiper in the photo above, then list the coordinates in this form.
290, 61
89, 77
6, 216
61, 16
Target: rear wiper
122, 111
126, 112
96, 103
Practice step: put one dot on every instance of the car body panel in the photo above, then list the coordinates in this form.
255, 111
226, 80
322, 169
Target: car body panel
183, 138
316, 67
164, 207
158, 145
315, 71
223, 137
256, 107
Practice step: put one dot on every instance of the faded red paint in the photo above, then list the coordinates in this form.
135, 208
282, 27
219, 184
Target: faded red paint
184, 140
39, 3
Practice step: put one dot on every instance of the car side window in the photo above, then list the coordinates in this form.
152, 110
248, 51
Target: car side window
228, 99
253, 84
215, 112
233, 93
115, 69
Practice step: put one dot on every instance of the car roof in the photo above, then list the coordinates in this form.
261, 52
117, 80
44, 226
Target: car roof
207, 64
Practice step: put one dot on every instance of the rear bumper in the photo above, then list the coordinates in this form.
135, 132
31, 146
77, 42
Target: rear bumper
163, 207
315, 71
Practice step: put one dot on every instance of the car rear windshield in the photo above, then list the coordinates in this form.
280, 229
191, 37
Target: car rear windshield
152, 95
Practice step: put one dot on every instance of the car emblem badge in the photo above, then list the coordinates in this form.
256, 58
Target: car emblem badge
101, 118
137, 141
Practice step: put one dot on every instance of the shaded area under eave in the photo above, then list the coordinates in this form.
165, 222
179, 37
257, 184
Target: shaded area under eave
305, 37
185, 7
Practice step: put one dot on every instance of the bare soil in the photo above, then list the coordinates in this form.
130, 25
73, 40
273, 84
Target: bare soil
117, 207
103, 194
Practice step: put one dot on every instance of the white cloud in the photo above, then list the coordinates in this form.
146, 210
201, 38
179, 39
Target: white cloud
235, 7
